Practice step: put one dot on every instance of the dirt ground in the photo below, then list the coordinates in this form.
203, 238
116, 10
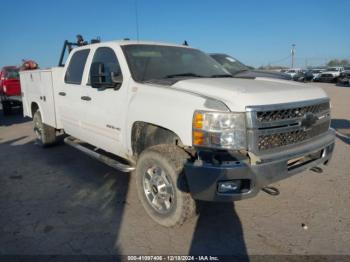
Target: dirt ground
60, 201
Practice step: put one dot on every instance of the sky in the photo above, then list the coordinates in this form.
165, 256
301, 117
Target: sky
255, 32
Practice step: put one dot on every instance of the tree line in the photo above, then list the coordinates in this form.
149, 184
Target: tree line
339, 62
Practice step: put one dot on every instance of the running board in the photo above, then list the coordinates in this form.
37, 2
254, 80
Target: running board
99, 156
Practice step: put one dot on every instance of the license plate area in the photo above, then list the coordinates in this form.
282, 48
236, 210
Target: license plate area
300, 161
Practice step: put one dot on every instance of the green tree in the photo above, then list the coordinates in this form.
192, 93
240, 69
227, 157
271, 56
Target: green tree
336, 62
345, 62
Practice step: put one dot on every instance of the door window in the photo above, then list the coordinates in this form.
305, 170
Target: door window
75, 70
106, 56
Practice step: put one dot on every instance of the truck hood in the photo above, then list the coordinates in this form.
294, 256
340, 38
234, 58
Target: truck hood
262, 73
330, 73
238, 93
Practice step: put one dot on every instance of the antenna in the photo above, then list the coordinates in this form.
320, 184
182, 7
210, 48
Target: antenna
137, 20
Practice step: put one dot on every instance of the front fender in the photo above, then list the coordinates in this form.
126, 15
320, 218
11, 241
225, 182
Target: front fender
163, 106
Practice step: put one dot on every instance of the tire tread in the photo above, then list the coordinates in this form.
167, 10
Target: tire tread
177, 158
48, 136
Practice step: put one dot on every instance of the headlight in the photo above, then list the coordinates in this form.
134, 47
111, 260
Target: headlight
219, 130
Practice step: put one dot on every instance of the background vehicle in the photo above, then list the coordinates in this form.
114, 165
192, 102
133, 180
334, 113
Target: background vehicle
316, 72
344, 77
186, 128
10, 88
303, 76
293, 71
239, 70
330, 75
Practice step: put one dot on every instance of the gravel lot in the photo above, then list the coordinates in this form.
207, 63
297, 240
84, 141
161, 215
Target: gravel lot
59, 201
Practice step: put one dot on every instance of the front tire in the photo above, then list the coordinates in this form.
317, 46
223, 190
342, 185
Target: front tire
162, 186
46, 135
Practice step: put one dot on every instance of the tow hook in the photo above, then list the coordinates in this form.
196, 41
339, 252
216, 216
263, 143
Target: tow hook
317, 169
271, 190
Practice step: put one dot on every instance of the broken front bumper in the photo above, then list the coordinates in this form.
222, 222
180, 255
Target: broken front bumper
203, 178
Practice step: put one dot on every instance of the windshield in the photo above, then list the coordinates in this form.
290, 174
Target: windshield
155, 62
229, 63
333, 69
12, 73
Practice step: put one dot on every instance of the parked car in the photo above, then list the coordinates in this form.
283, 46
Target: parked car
303, 76
239, 70
293, 71
174, 116
344, 77
330, 75
316, 72
10, 89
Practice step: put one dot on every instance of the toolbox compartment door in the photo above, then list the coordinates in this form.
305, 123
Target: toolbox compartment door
37, 87
47, 98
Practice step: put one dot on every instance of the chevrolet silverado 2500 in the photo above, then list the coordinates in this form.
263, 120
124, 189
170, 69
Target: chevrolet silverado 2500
179, 122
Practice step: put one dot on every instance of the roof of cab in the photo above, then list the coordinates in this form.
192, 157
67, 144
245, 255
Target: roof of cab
135, 42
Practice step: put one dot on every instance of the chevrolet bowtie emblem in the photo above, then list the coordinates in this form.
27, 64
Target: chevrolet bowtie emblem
308, 120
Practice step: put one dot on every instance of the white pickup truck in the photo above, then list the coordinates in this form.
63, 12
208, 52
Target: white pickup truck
179, 122
330, 75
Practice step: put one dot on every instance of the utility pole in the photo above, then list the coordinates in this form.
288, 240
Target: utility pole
137, 19
293, 52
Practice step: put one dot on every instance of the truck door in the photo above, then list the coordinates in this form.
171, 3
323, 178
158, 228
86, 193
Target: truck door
104, 108
70, 92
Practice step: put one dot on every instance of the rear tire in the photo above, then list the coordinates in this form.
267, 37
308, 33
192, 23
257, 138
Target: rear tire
6, 108
162, 187
46, 135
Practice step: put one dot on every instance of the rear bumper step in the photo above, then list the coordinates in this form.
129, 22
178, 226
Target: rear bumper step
76, 143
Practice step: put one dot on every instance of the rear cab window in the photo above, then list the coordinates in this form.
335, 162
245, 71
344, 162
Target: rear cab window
12, 73
75, 69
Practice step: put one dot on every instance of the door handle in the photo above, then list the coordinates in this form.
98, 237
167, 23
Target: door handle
86, 98
62, 93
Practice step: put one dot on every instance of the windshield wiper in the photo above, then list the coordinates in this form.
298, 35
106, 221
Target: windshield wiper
183, 74
220, 76
240, 71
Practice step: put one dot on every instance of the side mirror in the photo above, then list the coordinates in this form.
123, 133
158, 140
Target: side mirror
117, 77
99, 78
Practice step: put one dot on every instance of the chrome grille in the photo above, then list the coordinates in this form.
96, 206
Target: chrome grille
326, 75
266, 142
282, 114
284, 125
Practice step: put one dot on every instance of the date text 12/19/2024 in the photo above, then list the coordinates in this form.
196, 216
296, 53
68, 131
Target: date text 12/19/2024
173, 258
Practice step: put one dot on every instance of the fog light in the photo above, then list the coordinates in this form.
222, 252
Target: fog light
232, 186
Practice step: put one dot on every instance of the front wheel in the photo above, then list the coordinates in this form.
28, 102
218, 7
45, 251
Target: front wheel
46, 135
162, 186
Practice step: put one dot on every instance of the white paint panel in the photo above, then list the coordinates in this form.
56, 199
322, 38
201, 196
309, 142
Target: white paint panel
37, 87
